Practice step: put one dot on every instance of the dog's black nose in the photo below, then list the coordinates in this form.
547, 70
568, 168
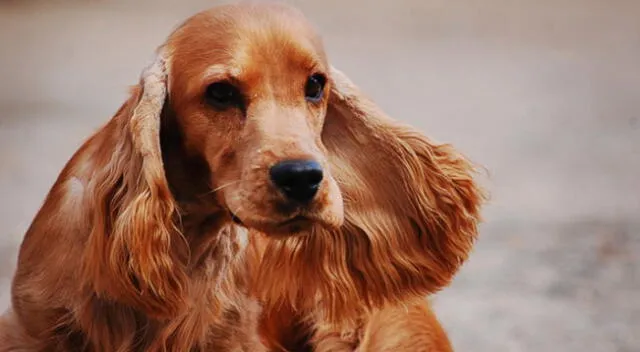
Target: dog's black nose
298, 180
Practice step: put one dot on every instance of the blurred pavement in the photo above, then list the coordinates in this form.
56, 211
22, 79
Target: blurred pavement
544, 93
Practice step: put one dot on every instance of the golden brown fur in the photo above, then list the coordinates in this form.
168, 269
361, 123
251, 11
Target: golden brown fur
135, 249
411, 215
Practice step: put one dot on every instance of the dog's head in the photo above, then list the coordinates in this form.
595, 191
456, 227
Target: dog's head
249, 87
242, 108
226, 124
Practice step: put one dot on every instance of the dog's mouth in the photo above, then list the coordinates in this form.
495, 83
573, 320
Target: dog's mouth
294, 225
298, 219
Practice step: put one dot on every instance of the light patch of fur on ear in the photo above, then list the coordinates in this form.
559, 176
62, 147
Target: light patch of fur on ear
145, 113
75, 189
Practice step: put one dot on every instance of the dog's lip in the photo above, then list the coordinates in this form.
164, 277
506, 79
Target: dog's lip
295, 220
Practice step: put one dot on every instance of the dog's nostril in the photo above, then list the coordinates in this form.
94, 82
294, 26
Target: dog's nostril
298, 180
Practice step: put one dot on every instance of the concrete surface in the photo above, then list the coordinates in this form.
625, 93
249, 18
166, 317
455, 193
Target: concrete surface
544, 93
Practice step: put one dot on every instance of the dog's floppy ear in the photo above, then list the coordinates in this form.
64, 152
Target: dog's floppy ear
132, 251
411, 216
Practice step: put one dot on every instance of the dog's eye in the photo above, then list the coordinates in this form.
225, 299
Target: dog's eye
223, 95
314, 87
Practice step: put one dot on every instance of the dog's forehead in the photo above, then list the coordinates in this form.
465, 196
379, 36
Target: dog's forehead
243, 39
256, 25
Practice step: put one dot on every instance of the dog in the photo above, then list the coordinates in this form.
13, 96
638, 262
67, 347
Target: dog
245, 197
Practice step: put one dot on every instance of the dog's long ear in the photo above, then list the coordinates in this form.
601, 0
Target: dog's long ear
132, 253
411, 216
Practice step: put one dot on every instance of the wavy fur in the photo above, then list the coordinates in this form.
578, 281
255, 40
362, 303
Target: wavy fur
131, 251
411, 216
134, 248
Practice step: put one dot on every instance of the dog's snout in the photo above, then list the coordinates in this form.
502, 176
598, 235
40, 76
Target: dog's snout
298, 180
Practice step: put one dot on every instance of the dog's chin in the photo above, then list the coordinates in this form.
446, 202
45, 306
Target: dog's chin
296, 226
299, 225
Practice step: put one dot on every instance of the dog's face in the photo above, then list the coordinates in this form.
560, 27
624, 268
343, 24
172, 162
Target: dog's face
246, 91
251, 96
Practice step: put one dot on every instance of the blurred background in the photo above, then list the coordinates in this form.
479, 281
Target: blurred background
543, 93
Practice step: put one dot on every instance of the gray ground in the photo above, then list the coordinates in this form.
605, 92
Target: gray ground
544, 93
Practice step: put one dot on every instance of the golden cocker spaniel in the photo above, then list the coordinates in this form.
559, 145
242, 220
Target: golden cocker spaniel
246, 197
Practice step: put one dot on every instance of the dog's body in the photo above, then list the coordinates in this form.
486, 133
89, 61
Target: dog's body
241, 123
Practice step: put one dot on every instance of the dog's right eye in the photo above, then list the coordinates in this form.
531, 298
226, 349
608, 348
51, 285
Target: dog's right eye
223, 95
314, 87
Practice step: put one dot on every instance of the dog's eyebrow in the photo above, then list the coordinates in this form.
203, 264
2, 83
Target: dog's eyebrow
220, 72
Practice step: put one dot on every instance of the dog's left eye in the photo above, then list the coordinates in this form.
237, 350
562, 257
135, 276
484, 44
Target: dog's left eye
223, 95
314, 87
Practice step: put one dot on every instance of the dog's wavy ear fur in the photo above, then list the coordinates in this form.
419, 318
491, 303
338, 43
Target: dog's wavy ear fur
411, 217
131, 253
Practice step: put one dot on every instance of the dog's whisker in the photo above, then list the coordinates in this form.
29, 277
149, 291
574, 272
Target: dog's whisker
221, 187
